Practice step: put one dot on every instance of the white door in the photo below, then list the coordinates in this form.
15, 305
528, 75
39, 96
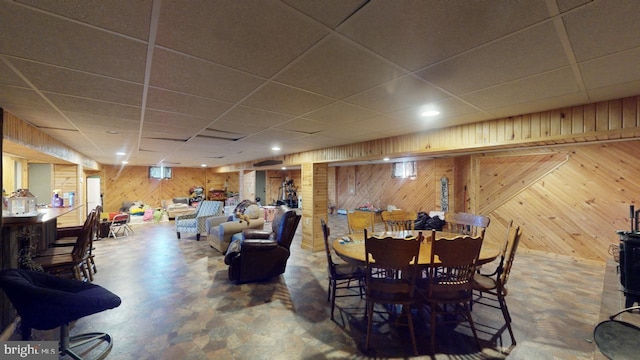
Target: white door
93, 193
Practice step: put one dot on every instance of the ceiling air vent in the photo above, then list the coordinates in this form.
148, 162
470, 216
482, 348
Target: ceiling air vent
268, 163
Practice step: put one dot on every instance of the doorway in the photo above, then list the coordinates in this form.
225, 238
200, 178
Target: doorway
40, 176
261, 187
94, 197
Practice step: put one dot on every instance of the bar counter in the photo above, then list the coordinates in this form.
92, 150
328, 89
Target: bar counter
42, 231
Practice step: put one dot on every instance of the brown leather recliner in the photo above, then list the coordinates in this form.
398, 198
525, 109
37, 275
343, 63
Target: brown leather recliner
262, 254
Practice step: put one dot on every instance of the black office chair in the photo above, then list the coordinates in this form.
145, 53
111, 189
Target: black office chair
45, 302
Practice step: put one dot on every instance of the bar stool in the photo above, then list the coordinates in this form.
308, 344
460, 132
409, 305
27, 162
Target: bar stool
45, 301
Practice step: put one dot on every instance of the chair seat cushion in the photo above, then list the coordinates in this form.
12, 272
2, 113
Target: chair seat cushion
347, 271
45, 301
483, 283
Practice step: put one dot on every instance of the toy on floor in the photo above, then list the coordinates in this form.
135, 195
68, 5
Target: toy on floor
157, 215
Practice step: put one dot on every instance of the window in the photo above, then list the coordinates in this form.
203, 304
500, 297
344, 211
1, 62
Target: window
404, 170
159, 172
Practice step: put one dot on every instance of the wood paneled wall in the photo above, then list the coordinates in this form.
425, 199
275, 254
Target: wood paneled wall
374, 185
569, 200
570, 203
314, 205
132, 183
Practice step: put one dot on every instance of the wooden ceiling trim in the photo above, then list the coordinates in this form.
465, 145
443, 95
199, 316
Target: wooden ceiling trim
40, 145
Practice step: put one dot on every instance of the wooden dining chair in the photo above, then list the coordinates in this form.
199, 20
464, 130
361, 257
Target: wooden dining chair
392, 269
73, 264
358, 221
341, 275
466, 223
399, 220
447, 290
494, 284
70, 238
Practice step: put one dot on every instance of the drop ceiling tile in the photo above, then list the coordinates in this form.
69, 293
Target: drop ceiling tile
103, 122
354, 132
554, 102
273, 137
193, 76
204, 145
38, 116
9, 77
398, 94
81, 84
382, 124
122, 141
159, 131
94, 107
504, 60
159, 145
161, 99
337, 68
149, 158
331, 13
341, 113
599, 28
438, 122
239, 34
105, 14
195, 124
457, 120
220, 134
304, 126
244, 116
286, 100
29, 34
535, 88
451, 107
234, 128
566, 5
22, 96
415, 34
614, 91
618, 68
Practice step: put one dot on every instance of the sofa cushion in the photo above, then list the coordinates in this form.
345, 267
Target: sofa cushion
253, 211
181, 200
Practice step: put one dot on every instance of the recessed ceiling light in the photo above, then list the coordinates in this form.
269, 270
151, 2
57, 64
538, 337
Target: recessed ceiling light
203, 165
120, 153
429, 113
386, 159
125, 162
283, 168
275, 148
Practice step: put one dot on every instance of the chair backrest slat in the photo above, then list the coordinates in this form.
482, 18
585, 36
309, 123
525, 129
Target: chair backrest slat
391, 264
466, 224
453, 262
513, 241
83, 242
358, 221
327, 247
399, 220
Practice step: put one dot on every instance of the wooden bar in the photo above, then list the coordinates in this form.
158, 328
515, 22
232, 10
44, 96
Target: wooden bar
42, 230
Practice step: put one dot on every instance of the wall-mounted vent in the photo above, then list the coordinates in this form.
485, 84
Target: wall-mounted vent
268, 163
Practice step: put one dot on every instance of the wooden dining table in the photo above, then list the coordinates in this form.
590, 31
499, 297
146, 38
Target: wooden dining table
352, 251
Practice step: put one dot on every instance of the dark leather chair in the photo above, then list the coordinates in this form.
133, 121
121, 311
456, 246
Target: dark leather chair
45, 301
262, 254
